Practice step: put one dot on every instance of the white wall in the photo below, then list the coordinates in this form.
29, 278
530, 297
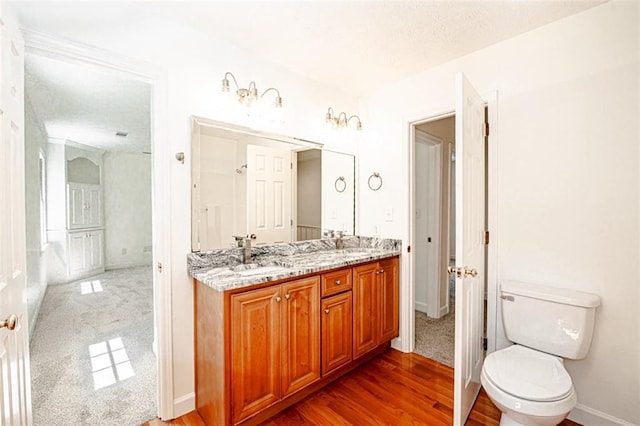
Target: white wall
568, 174
192, 67
35, 143
127, 209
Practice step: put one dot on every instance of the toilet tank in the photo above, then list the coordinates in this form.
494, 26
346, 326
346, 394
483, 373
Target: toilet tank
552, 320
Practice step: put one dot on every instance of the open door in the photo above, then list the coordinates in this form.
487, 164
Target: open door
15, 391
269, 194
470, 250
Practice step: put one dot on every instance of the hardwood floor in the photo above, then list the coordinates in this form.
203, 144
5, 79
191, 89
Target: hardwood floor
393, 389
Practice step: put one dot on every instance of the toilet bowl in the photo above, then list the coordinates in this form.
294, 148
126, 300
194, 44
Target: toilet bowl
528, 386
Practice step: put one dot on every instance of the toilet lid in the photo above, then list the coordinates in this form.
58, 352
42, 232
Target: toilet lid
528, 374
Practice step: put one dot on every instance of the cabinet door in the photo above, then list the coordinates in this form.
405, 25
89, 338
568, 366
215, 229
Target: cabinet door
366, 328
300, 334
255, 349
389, 299
337, 342
76, 207
93, 210
77, 251
93, 250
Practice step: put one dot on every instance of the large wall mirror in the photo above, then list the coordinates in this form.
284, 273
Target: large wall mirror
280, 189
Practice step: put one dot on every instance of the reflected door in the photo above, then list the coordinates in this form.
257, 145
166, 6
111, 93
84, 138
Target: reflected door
269, 194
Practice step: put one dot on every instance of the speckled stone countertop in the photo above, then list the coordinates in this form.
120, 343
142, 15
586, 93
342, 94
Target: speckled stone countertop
223, 270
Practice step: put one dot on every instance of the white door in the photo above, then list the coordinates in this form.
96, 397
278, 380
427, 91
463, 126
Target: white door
470, 249
269, 194
15, 392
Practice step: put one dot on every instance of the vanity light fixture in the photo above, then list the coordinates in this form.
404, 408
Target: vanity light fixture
249, 95
341, 119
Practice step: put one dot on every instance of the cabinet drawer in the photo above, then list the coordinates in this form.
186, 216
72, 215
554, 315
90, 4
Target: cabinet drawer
335, 282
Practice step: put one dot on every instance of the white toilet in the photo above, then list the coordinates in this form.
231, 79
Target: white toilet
528, 381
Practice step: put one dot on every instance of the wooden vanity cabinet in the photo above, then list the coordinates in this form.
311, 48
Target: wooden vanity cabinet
262, 349
376, 297
275, 344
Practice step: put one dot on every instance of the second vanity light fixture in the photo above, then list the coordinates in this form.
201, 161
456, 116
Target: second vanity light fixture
341, 119
249, 95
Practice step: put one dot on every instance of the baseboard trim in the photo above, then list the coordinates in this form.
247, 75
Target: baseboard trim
183, 405
590, 416
444, 311
112, 266
422, 307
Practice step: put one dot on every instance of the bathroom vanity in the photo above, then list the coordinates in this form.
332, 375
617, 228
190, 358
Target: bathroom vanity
302, 314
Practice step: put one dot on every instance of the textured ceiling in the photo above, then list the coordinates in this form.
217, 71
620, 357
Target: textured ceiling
357, 46
87, 106
353, 46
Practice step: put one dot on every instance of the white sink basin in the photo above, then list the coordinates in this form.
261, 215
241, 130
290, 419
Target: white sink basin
261, 270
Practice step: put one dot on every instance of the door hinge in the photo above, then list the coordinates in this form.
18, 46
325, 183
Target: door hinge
484, 343
486, 129
408, 249
486, 237
160, 267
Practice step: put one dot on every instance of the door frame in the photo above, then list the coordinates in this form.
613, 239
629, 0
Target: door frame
406, 341
37, 43
435, 146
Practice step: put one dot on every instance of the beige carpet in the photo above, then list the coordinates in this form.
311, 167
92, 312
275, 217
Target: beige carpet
91, 352
434, 337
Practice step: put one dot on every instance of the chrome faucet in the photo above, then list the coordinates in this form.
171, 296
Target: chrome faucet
339, 240
244, 241
246, 250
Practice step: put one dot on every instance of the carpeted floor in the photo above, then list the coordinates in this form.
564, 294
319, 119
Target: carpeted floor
434, 337
91, 352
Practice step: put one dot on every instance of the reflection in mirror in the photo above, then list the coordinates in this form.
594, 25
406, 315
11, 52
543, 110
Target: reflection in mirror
279, 188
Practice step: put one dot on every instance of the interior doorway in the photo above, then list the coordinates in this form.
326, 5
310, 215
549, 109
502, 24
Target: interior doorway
91, 253
434, 236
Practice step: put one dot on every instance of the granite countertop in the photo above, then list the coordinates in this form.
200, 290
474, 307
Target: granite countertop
222, 270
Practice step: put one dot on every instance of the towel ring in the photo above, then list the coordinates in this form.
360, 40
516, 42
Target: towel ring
340, 187
375, 175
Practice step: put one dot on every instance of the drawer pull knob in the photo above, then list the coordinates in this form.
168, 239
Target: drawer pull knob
326, 311
338, 282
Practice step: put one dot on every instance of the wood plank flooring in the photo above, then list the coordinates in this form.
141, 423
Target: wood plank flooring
392, 389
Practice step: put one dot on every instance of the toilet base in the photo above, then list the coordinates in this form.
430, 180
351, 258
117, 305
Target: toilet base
523, 420
505, 420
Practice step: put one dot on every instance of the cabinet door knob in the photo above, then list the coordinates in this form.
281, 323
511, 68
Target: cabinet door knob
326, 311
287, 296
278, 299
338, 282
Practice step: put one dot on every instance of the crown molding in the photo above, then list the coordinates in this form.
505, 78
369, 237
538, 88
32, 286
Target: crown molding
87, 55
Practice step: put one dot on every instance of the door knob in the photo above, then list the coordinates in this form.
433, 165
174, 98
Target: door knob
287, 296
10, 322
278, 299
462, 272
326, 311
